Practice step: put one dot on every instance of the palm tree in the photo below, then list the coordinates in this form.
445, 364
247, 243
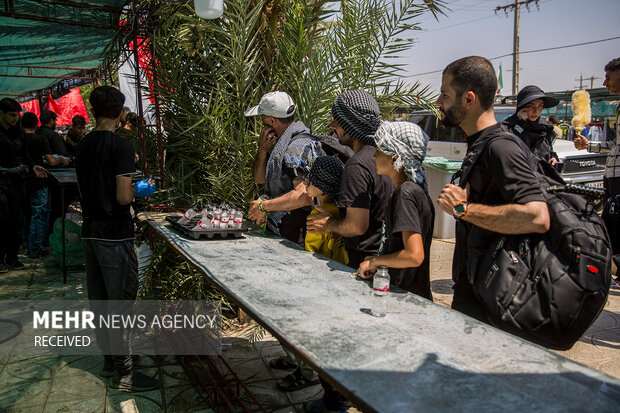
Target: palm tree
209, 72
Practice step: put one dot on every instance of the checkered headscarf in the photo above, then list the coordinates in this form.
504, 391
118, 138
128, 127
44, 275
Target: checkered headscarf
408, 141
357, 112
326, 174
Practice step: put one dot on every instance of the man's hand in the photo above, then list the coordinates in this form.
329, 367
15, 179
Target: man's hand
581, 142
267, 139
317, 224
255, 214
367, 268
451, 196
39, 171
553, 161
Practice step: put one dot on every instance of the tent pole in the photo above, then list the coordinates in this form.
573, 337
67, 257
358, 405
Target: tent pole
160, 151
139, 89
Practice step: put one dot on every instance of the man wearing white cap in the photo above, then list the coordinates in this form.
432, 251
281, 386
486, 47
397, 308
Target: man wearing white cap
284, 170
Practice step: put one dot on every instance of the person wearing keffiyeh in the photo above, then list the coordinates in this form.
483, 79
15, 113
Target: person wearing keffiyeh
324, 185
286, 152
364, 194
408, 224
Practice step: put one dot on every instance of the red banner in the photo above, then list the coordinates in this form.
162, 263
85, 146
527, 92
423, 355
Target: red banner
32, 106
67, 107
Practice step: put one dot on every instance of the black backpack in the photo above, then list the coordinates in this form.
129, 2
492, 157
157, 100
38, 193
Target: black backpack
547, 288
330, 145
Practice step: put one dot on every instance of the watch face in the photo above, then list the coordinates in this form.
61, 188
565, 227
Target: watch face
459, 209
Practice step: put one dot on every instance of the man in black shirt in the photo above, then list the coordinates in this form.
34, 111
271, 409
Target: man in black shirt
59, 151
104, 167
502, 195
39, 151
14, 165
48, 129
363, 193
75, 134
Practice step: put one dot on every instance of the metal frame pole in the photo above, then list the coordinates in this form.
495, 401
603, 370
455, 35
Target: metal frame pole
161, 159
139, 89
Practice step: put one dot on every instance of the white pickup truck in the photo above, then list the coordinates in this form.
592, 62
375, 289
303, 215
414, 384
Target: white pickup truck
579, 167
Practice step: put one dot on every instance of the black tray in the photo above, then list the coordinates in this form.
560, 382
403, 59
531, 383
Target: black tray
188, 230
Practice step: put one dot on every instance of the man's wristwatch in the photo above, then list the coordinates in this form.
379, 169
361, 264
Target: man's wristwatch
460, 210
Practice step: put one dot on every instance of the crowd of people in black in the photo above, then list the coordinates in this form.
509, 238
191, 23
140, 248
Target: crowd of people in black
31, 146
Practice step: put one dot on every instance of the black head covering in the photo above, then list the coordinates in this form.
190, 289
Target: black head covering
357, 112
531, 93
326, 174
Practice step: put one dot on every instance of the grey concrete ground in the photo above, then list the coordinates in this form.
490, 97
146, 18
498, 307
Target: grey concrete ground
72, 384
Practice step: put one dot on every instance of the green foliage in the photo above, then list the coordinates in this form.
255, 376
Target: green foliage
207, 73
210, 71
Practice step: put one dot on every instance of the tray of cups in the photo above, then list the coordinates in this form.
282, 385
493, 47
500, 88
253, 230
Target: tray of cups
210, 223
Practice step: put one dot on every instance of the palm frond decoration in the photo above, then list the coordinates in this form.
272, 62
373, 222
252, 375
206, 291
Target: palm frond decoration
209, 71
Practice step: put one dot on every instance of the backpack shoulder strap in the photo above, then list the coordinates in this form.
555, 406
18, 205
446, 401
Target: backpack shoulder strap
475, 151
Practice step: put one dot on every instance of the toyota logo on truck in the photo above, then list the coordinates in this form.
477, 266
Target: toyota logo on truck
586, 164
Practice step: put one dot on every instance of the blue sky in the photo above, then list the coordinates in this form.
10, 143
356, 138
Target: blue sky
472, 28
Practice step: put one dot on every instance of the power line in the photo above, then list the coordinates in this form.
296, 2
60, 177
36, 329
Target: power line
529, 51
458, 24
559, 47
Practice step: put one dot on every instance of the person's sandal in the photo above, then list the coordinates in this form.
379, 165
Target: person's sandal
281, 364
294, 382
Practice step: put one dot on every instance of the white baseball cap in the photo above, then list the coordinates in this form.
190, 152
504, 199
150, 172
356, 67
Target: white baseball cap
277, 104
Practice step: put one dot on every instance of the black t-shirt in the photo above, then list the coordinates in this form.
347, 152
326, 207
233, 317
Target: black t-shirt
71, 143
11, 147
101, 157
37, 147
361, 187
57, 144
502, 175
410, 209
13, 153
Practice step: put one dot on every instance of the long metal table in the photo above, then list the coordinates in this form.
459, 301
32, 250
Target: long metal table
420, 357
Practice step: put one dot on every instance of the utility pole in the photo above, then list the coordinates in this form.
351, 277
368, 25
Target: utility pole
516, 7
591, 79
580, 81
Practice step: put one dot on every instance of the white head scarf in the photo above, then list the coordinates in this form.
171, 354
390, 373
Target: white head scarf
408, 141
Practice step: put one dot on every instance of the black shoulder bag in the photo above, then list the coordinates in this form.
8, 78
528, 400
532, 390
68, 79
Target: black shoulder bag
547, 288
